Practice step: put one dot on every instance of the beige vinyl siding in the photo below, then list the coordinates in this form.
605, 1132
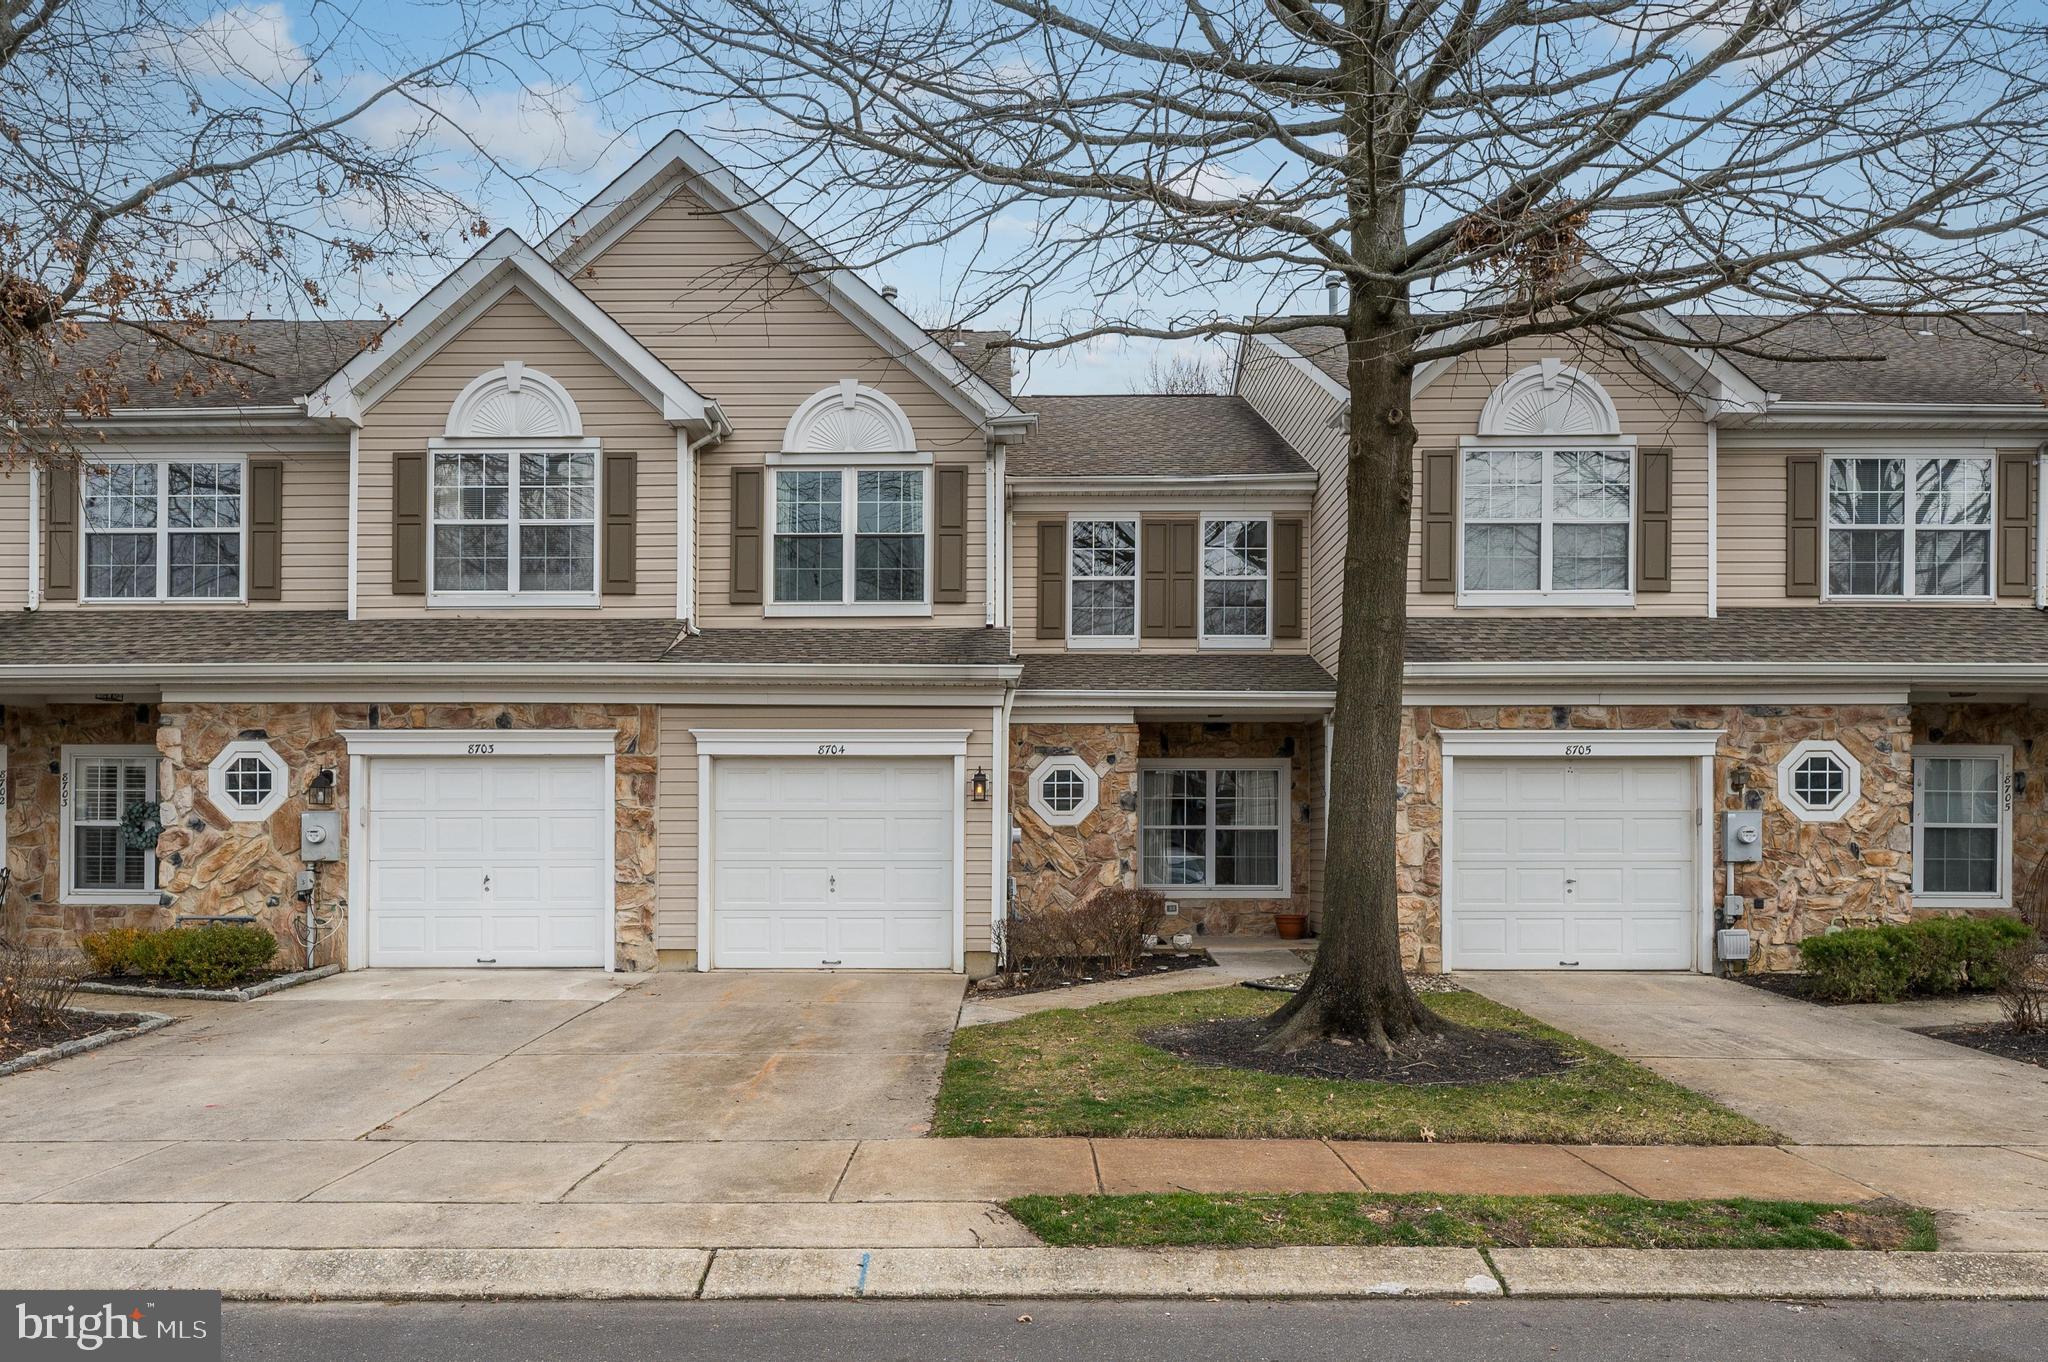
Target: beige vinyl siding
1752, 522
1026, 512
1305, 414
14, 539
739, 328
1448, 410
677, 809
315, 544
416, 411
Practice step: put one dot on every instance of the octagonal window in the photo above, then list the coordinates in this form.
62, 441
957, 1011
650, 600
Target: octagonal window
247, 781
1063, 790
1818, 781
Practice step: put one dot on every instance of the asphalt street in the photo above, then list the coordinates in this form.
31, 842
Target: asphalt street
1112, 1331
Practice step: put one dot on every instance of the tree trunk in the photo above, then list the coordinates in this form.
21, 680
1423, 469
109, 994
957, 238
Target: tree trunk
1356, 989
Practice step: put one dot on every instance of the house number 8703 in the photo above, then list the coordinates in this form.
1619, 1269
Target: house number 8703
482, 749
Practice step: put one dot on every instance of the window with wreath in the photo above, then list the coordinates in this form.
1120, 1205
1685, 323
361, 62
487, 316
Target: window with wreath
1546, 520
109, 797
873, 556
163, 530
515, 523
1102, 579
1909, 526
1213, 826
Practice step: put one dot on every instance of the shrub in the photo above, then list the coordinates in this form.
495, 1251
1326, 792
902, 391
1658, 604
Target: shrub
1865, 965
36, 984
112, 950
1940, 949
150, 955
2023, 987
217, 956
1991, 944
1066, 942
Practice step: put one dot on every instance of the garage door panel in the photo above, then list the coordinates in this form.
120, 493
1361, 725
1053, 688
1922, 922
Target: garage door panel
1573, 863
832, 862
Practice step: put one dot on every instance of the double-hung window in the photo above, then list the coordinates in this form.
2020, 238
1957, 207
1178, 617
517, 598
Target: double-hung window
1102, 581
163, 530
516, 524
1217, 827
1237, 569
1547, 522
101, 785
1907, 526
851, 537
1962, 826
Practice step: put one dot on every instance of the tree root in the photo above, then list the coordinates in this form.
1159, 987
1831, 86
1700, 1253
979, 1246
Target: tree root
1392, 1021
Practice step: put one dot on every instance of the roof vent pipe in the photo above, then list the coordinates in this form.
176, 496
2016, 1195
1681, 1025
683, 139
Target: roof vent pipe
889, 292
1335, 284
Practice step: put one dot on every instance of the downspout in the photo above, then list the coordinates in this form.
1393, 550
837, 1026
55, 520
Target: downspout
992, 520
35, 538
2041, 526
1713, 519
355, 435
686, 522
999, 922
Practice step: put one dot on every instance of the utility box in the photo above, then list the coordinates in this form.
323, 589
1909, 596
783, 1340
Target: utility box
1742, 836
320, 835
1732, 943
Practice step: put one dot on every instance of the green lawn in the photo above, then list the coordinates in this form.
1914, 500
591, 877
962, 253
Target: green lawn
1187, 1220
1069, 1072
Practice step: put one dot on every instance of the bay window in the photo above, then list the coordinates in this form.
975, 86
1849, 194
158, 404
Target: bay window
167, 529
1906, 526
1213, 827
873, 558
1102, 574
515, 524
1543, 522
1236, 581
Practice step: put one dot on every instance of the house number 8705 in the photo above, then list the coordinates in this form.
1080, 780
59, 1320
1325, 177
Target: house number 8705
1578, 749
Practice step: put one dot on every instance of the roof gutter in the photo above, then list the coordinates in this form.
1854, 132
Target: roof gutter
105, 677
1244, 699
1785, 415
1299, 484
1937, 673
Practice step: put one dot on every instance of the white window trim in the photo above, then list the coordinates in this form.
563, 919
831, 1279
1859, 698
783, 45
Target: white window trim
849, 468
217, 781
1852, 790
1091, 791
1548, 446
515, 598
1111, 642
1907, 573
68, 756
2003, 898
164, 531
1225, 642
1284, 765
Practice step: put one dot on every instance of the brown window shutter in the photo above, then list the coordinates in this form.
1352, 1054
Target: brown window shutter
1802, 525
60, 534
1653, 520
266, 529
2015, 523
749, 522
949, 574
1052, 579
1155, 578
1184, 583
409, 524
621, 516
1287, 578
1439, 521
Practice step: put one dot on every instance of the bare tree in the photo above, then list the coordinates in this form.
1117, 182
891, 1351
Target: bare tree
164, 163
1182, 375
1521, 167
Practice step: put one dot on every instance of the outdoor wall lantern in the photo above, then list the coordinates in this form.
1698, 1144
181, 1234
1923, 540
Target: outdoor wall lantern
320, 794
977, 785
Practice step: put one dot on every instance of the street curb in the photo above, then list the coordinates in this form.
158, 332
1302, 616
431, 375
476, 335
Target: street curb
144, 1023
1059, 1273
366, 1274
1771, 1274
214, 995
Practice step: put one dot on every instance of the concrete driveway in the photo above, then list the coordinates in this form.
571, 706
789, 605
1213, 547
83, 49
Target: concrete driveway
1850, 1088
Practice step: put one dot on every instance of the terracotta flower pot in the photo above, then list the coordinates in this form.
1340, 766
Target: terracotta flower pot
1291, 926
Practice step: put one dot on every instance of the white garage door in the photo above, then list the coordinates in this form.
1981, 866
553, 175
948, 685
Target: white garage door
488, 860
1562, 864
844, 861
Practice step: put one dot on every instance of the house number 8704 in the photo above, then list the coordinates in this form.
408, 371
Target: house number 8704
831, 749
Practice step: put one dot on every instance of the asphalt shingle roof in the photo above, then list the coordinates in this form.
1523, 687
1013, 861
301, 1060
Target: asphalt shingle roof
1905, 634
1215, 672
287, 360
1150, 435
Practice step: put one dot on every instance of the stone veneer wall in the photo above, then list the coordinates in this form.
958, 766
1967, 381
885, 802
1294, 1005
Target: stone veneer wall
34, 738
1060, 866
1813, 875
2023, 728
209, 864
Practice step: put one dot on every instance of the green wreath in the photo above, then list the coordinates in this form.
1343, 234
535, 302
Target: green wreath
142, 825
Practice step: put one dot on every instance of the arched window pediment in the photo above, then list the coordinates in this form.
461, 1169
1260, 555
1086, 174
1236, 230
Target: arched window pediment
1550, 398
849, 418
514, 402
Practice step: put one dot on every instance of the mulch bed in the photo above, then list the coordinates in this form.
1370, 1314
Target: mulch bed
1419, 983
2028, 1047
25, 1036
156, 981
1463, 1057
1161, 963
1788, 984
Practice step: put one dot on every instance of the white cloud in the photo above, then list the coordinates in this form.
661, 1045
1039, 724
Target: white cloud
550, 126
249, 41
